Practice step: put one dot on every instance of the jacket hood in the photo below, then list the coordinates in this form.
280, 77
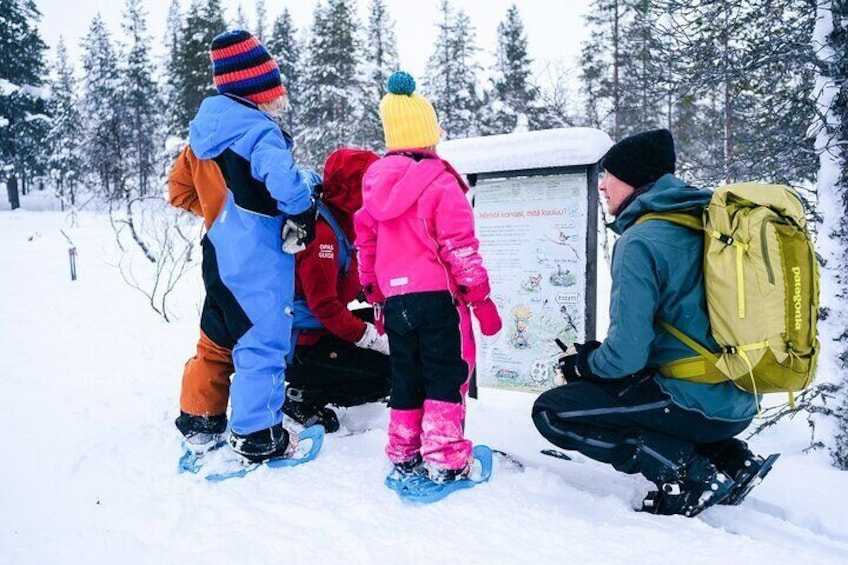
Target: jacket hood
221, 121
666, 194
343, 171
395, 182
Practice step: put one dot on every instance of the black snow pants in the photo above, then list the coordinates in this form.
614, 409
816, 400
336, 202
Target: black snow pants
631, 424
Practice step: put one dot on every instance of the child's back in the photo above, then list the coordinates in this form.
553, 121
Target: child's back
239, 164
419, 255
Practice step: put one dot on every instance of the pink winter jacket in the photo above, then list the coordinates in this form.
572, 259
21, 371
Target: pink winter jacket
415, 230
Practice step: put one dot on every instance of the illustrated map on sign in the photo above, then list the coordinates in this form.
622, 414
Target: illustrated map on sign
532, 233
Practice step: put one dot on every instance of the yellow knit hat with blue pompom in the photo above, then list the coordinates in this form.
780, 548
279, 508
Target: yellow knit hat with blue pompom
409, 120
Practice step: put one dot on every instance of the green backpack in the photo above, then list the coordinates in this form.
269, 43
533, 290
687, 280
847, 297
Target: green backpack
762, 289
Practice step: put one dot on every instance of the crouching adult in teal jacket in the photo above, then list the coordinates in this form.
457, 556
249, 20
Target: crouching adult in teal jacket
616, 407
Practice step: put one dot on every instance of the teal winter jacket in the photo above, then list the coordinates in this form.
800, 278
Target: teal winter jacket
657, 273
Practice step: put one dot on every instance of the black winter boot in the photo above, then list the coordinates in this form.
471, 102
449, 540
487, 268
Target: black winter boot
701, 486
308, 408
271, 443
402, 472
201, 433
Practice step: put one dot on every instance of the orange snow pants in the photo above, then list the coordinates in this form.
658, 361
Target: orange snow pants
206, 379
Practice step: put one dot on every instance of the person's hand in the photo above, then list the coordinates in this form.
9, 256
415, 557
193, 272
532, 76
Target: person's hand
487, 314
576, 367
373, 294
311, 179
484, 308
299, 229
374, 340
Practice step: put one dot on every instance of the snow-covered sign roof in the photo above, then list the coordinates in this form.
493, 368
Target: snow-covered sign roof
562, 147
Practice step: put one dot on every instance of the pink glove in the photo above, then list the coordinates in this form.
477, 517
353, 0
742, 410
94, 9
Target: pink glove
487, 314
373, 294
475, 294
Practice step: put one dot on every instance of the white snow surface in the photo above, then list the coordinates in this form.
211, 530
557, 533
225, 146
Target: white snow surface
91, 377
560, 147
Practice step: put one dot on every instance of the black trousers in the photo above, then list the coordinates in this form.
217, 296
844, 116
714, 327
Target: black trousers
631, 424
426, 343
334, 371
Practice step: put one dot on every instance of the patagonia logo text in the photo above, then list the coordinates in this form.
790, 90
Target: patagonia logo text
796, 296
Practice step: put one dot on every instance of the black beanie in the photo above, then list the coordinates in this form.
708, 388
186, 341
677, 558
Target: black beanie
642, 158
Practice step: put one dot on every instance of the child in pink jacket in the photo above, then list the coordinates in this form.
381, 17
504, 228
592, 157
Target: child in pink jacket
419, 258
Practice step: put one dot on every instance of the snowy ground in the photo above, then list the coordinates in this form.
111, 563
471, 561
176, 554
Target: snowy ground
90, 378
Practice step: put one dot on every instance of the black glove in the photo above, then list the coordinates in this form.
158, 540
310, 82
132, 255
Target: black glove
576, 367
299, 229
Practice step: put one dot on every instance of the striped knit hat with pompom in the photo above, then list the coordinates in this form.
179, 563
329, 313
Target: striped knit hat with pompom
409, 120
242, 66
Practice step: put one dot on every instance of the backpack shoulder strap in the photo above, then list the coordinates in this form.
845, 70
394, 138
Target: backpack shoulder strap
345, 247
686, 219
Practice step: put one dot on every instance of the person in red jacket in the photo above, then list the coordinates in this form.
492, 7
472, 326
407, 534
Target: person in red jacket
345, 362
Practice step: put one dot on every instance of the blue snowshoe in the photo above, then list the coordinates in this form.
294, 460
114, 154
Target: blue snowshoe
404, 472
424, 490
233, 465
196, 448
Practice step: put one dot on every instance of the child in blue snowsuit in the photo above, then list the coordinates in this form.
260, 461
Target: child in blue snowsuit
240, 164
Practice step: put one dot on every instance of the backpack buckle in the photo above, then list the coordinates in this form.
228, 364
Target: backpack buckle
730, 349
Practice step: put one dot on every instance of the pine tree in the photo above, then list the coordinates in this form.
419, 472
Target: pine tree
513, 99
65, 163
23, 123
451, 76
331, 105
172, 87
140, 117
641, 77
242, 21
831, 95
285, 48
101, 109
381, 60
748, 66
601, 61
191, 67
261, 21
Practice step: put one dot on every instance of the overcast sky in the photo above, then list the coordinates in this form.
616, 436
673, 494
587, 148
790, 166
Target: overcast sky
554, 27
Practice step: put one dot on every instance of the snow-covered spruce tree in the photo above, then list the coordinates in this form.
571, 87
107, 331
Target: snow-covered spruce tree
331, 104
193, 76
642, 78
622, 67
261, 27
513, 100
171, 80
23, 123
450, 79
831, 95
381, 60
141, 116
101, 105
600, 66
241, 21
746, 66
65, 163
285, 48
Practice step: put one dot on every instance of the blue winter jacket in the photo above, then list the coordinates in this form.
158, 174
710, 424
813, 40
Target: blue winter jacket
657, 272
227, 123
248, 277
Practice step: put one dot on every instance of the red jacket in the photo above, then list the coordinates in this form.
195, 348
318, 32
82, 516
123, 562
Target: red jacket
317, 271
